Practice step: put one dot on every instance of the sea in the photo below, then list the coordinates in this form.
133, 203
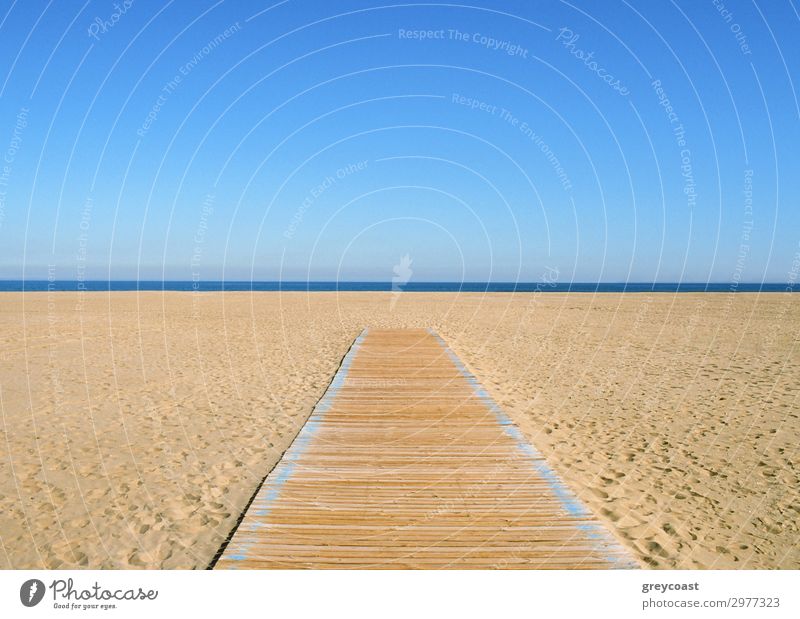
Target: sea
345, 286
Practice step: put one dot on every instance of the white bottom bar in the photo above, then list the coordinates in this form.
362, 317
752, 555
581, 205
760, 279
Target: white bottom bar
380, 595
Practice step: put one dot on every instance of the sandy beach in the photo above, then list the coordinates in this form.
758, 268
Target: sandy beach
135, 427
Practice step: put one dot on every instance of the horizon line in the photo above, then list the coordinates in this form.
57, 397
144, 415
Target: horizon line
389, 281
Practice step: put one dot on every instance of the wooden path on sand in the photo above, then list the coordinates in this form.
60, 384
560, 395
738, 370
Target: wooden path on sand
406, 462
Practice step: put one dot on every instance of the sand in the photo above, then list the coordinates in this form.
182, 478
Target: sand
135, 427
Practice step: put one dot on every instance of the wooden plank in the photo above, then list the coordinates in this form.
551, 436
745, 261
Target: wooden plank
406, 463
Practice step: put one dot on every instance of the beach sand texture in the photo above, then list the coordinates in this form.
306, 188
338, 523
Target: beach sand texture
135, 427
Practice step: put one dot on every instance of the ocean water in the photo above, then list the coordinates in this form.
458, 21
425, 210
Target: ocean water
254, 286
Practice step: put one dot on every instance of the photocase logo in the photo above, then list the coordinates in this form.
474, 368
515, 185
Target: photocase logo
31, 592
67, 596
402, 273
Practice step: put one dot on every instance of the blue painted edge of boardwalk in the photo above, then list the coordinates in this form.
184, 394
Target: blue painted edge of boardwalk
285, 468
604, 542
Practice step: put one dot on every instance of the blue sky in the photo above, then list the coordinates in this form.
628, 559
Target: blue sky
326, 140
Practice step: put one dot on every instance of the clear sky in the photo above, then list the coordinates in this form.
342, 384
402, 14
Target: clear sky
610, 141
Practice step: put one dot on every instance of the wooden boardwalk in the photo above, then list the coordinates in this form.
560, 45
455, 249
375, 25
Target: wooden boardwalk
406, 462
